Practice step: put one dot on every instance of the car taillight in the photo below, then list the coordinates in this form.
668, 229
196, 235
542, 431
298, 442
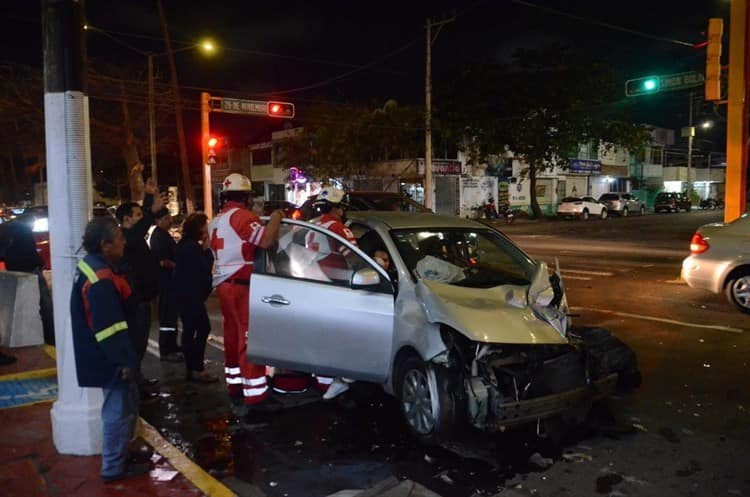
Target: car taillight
296, 214
698, 244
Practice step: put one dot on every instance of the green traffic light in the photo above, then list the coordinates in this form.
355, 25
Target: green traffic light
649, 84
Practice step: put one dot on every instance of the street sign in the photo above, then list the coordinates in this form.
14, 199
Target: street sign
656, 84
680, 81
252, 107
239, 106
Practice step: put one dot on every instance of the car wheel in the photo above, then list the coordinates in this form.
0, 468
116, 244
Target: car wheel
603, 214
625, 212
585, 215
643, 210
738, 289
427, 399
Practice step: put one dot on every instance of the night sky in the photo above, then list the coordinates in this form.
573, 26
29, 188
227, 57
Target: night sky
270, 47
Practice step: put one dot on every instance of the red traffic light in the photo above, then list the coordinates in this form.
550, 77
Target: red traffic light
212, 142
280, 109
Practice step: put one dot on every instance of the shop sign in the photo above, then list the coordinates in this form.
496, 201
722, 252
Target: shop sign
442, 167
584, 166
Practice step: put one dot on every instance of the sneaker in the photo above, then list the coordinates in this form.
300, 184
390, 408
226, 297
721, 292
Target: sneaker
130, 470
336, 388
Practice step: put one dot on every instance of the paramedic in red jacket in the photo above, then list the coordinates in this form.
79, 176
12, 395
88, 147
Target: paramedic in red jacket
332, 203
235, 234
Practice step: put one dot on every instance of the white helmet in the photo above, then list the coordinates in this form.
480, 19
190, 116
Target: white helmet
333, 196
236, 182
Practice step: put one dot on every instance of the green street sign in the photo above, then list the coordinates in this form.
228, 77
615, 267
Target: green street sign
670, 82
680, 81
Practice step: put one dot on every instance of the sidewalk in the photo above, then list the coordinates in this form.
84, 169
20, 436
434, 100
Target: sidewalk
30, 466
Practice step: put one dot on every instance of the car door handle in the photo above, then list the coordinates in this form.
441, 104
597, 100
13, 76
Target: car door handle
275, 299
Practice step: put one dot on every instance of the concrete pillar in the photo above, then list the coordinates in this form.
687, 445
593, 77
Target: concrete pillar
76, 415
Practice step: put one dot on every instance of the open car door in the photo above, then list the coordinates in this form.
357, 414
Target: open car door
328, 312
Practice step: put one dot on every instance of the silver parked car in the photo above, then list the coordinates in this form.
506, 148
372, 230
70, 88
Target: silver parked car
463, 328
622, 204
719, 261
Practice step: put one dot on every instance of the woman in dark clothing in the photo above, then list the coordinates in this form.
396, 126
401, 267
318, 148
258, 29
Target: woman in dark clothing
192, 278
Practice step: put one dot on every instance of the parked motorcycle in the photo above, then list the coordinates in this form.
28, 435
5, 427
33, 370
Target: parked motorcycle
508, 214
489, 210
711, 203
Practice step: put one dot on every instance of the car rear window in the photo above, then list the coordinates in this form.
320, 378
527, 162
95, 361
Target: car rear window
571, 199
609, 196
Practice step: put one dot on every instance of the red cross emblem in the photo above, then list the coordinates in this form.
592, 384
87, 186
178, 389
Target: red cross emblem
227, 183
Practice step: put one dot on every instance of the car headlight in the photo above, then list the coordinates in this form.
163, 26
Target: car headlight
40, 225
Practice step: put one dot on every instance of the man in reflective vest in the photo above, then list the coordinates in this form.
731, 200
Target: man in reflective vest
105, 355
332, 203
235, 234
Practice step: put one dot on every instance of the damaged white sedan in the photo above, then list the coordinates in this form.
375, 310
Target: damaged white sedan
463, 327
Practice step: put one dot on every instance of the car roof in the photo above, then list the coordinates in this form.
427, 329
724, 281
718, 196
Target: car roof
405, 220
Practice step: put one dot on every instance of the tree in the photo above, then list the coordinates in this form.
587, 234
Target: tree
541, 109
345, 140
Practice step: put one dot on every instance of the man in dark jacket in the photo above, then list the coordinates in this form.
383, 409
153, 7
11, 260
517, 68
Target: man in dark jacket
141, 269
20, 254
163, 248
105, 355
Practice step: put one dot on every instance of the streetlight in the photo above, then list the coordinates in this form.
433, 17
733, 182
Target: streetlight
707, 124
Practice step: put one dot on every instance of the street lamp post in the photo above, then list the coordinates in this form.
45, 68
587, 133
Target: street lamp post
151, 115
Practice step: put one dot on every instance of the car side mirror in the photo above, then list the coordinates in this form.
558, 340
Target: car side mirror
365, 277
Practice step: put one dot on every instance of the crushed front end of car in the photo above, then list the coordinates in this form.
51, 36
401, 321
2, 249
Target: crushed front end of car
526, 364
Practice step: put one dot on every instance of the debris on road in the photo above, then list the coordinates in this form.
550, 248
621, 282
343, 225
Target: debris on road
539, 461
576, 457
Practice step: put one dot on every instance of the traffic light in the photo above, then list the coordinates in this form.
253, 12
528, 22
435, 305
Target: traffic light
212, 142
642, 86
713, 59
280, 109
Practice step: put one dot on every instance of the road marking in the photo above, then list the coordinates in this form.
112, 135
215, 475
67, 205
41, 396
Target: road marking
569, 277
728, 329
592, 273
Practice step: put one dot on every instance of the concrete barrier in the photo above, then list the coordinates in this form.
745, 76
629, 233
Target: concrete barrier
20, 322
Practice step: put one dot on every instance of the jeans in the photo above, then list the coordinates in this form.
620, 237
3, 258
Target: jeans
119, 415
195, 329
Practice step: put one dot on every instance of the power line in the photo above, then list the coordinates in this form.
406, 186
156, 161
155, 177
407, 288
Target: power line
603, 24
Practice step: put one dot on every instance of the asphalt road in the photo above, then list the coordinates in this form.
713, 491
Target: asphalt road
686, 431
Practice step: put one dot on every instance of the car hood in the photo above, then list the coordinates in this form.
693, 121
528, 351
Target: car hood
490, 315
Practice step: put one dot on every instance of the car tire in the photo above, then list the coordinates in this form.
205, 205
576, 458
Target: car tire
737, 289
625, 212
603, 214
643, 210
610, 355
428, 400
585, 215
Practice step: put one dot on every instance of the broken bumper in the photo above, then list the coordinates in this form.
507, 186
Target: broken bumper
512, 414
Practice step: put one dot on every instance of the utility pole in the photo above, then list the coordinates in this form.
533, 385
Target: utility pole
691, 135
152, 116
76, 414
737, 111
429, 188
205, 135
187, 182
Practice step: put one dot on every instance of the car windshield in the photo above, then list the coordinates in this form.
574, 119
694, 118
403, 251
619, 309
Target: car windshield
663, 196
474, 258
609, 196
